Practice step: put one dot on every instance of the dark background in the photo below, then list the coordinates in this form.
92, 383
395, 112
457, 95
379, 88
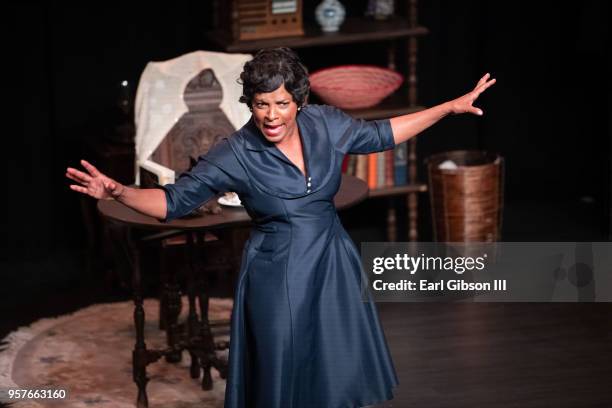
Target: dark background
548, 114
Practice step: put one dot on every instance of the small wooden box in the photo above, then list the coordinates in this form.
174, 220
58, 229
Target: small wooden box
258, 19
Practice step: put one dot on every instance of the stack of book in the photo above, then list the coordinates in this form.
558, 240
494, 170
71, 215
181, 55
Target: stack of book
379, 170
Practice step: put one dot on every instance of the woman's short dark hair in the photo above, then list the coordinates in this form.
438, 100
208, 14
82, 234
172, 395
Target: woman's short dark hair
269, 69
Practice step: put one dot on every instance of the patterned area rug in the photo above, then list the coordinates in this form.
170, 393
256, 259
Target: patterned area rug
88, 353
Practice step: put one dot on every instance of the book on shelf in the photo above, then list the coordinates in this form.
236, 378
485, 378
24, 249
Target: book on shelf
400, 164
379, 170
372, 173
361, 169
389, 166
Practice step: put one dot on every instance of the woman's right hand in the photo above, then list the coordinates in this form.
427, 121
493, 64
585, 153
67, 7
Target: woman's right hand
94, 184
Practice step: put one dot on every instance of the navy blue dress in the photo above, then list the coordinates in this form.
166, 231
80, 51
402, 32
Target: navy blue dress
301, 336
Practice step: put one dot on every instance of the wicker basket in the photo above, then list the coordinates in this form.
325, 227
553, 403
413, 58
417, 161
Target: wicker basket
354, 86
466, 202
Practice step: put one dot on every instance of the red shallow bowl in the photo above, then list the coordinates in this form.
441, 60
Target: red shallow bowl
354, 86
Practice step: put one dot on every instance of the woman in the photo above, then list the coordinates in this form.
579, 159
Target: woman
301, 335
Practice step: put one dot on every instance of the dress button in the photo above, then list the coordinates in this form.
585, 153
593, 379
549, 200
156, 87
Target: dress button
308, 191
309, 184
309, 178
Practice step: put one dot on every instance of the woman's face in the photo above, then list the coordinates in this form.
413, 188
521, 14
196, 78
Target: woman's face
274, 114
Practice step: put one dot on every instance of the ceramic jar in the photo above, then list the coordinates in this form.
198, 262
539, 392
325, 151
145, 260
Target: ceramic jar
330, 15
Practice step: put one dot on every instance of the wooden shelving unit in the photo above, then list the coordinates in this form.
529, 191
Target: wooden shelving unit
362, 30
353, 30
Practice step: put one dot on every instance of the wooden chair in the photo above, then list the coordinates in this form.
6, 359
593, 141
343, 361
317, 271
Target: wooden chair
194, 134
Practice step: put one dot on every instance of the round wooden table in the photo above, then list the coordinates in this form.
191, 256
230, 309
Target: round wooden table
352, 191
195, 336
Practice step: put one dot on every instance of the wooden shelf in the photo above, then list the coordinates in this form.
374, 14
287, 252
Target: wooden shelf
354, 30
398, 190
394, 105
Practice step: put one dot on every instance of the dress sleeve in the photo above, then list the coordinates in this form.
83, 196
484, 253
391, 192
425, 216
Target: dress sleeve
206, 179
358, 136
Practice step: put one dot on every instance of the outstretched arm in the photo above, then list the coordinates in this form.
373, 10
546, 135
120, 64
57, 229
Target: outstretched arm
407, 126
149, 201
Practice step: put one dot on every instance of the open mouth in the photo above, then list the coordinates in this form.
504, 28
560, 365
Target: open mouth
272, 130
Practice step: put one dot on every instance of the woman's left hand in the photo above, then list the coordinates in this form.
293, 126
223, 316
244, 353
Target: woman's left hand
463, 104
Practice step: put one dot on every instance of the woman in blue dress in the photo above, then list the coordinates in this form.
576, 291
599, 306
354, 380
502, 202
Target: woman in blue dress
301, 335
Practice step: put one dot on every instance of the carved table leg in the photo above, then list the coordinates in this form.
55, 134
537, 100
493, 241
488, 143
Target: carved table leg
207, 347
192, 319
139, 355
163, 291
208, 352
171, 310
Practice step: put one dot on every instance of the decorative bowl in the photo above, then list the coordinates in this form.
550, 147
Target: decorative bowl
355, 86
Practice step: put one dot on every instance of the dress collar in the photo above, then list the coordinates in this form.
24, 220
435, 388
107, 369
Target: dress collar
256, 142
272, 171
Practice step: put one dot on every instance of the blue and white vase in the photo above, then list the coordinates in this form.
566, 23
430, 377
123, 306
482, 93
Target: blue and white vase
330, 15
